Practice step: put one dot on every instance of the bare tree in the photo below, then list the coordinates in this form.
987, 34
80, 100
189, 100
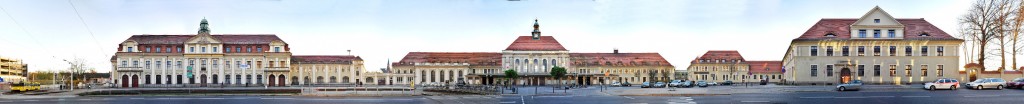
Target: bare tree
1015, 30
982, 25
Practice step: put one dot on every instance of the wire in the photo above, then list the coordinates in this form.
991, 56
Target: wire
88, 29
24, 30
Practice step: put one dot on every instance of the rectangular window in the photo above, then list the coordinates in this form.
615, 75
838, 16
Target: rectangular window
215, 49
860, 50
158, 62
862, 33
878, 21
814, 50
924, 70
168, 50
814, 70
202, 49
238, 49
259, 49
227, 49
148, 49
828, 70
860, 70
846, 50
892, 50
158, 50
877, 51
248, 49
191, 49
180, 50
938, 70
130, 49
179, 64
907, 69
877, 33
191, 62
892, 33
828, 51
909, 51
227, 64
940, 50
202, 62
168, 64
135, 63
147, 64
124, 63
277, 49
924, 50
892, 70
878, 70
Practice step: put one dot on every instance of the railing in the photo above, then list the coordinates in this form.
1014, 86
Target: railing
277, 69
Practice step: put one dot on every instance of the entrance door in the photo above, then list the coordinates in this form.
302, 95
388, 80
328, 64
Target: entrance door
844, 75
202, 80
272, 80
973, 75
124, 81
280, 80
135, 80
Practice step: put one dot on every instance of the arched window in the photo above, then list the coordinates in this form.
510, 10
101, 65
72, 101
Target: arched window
423, 75
334, 79
554, 62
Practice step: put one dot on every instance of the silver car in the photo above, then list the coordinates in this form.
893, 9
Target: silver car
987, 83
852, 85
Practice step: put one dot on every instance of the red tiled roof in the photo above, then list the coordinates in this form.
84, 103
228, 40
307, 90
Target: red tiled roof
618, 59
969, 65
224, 38
324, 59
473, 58
841, 28
727, 55
527, 43
765, 67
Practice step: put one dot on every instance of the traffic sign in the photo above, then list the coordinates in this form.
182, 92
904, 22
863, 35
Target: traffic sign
188, 72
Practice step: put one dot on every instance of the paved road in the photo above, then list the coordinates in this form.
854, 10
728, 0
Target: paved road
591, 95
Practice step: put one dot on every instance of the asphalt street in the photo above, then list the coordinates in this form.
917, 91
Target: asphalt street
592, 95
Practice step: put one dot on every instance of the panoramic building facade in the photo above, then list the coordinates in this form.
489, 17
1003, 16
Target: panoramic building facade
532, 57
875, 48
728, 65
206, 59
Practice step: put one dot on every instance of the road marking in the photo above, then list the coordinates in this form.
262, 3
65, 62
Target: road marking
628, 97
31, 100
916, 96
850, 97
210, 98
552, 96
881, 96
84, 99
508, 102
6, 101
982, 96
136, 98
523, 99
277, 98
816, 97
754, 101
1013, 94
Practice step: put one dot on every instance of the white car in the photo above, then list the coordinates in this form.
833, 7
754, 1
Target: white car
713, 83
616, 84
983, 83
944, 83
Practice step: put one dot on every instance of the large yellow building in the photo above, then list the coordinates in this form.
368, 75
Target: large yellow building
729, 65
206, 59
875, 48
13, 70
533, 57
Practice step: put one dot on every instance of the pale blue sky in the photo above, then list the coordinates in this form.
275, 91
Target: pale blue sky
378, 30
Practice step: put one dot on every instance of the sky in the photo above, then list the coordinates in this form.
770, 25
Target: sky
45, 32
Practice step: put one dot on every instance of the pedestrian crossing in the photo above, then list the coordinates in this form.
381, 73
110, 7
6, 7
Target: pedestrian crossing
466, 99
681, 100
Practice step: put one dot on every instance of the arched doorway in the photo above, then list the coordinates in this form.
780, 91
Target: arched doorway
306, 80
369, 80
295, 80
973, 75
135, 80
320, 80
280, 80
215, 79
124, 81
202, 80
844, 75
344, 79
334, 79
271, 80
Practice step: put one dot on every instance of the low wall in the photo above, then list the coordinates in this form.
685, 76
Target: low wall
191, 91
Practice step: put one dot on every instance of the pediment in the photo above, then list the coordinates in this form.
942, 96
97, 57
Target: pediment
877, 17
203, 39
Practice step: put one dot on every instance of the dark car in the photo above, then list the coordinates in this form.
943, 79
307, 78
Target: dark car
727, 83
626, 84
702, 84
1016, 83
764, 82
645, 85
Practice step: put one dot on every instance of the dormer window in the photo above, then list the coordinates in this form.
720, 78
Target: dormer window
830, 34
862, 33
878, 20
924, 34
130, 49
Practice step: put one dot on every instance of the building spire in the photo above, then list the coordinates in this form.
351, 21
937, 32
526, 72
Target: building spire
536, 29
204, 26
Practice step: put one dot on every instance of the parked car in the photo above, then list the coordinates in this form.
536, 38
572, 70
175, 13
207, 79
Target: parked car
713, 83
702, 84
987, 83
852, 85
727, 83
627, 84
659, 85
675, 83
686, 84
942, 83
764, 82
1016, 83
616, 84
645, 85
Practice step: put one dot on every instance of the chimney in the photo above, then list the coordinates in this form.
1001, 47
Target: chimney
615, 51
